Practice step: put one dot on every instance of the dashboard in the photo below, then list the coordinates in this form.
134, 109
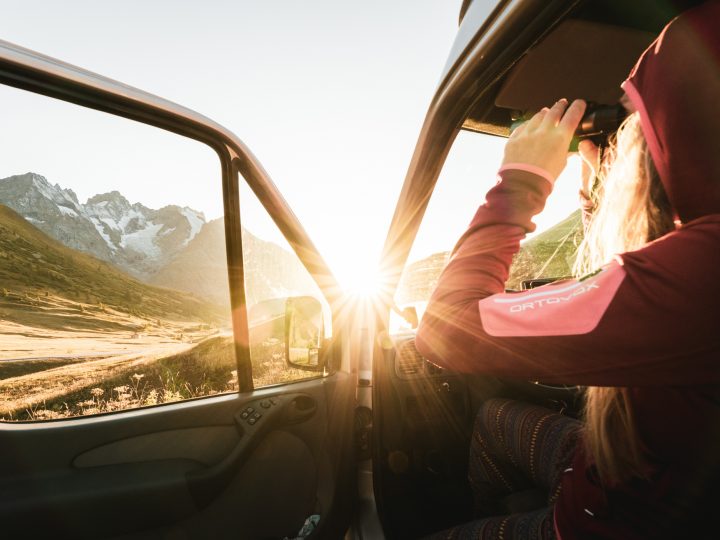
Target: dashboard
409, 363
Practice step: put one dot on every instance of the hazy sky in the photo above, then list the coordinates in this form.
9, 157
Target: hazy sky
329, 94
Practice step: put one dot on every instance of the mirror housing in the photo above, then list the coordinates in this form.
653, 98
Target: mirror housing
304, 333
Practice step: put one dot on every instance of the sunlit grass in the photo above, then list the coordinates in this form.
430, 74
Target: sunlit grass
206, 369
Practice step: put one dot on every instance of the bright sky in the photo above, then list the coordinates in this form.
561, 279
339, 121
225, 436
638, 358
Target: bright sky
330, 95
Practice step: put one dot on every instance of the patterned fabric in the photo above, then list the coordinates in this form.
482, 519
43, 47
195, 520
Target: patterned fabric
515, 446
536, 525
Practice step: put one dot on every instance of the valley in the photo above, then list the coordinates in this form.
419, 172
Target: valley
109, 305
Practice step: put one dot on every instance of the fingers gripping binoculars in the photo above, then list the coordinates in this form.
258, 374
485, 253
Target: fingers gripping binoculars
597, 124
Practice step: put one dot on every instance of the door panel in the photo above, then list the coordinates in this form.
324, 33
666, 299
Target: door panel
192, 469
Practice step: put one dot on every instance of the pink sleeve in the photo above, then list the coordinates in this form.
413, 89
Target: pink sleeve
649, 318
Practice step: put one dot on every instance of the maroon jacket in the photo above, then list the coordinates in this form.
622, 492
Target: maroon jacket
648, 320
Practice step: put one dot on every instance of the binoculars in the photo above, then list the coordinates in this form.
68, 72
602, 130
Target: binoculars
598, 122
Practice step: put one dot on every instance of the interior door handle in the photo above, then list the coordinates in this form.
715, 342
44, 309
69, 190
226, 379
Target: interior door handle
300, 409
205, 483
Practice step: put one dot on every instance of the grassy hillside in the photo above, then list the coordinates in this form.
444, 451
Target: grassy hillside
45, 284
549, 254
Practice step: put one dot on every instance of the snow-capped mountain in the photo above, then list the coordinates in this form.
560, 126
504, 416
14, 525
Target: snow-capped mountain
171, 247
137, 239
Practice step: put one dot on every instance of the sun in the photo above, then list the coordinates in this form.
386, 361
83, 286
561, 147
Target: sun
360, 280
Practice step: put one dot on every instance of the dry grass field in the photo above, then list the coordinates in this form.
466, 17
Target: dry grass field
58, 374
39, 365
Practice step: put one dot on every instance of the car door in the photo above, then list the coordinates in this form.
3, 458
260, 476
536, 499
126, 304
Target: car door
191, 422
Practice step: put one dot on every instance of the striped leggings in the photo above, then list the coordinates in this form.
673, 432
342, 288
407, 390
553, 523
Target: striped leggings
515, 446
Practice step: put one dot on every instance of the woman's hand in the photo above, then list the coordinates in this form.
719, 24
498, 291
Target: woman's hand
544, 140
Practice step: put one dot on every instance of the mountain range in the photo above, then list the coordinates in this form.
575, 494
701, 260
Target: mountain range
173, 247
46, 284
136, 239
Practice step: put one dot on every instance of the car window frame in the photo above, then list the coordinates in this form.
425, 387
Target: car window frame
40, 74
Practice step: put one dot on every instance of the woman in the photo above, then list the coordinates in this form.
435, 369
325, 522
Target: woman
641, 332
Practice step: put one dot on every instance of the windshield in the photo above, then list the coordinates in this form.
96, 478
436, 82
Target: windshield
468, 173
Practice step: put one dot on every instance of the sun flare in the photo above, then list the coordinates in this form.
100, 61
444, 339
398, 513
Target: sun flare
361, 281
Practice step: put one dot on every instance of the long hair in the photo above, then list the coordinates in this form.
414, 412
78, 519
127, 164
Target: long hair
631, 209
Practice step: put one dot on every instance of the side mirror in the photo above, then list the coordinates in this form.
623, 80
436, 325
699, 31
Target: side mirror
304, 333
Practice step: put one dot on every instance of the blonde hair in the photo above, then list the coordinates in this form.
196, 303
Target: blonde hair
630, 209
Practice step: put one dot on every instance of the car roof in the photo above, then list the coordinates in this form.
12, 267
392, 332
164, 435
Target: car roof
586, 54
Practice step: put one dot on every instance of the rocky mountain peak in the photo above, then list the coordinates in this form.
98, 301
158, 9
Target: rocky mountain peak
109, 197
135, 238
36, 186
108, 205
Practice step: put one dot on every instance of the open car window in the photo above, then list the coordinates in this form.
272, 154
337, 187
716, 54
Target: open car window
113, 285
469, 172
